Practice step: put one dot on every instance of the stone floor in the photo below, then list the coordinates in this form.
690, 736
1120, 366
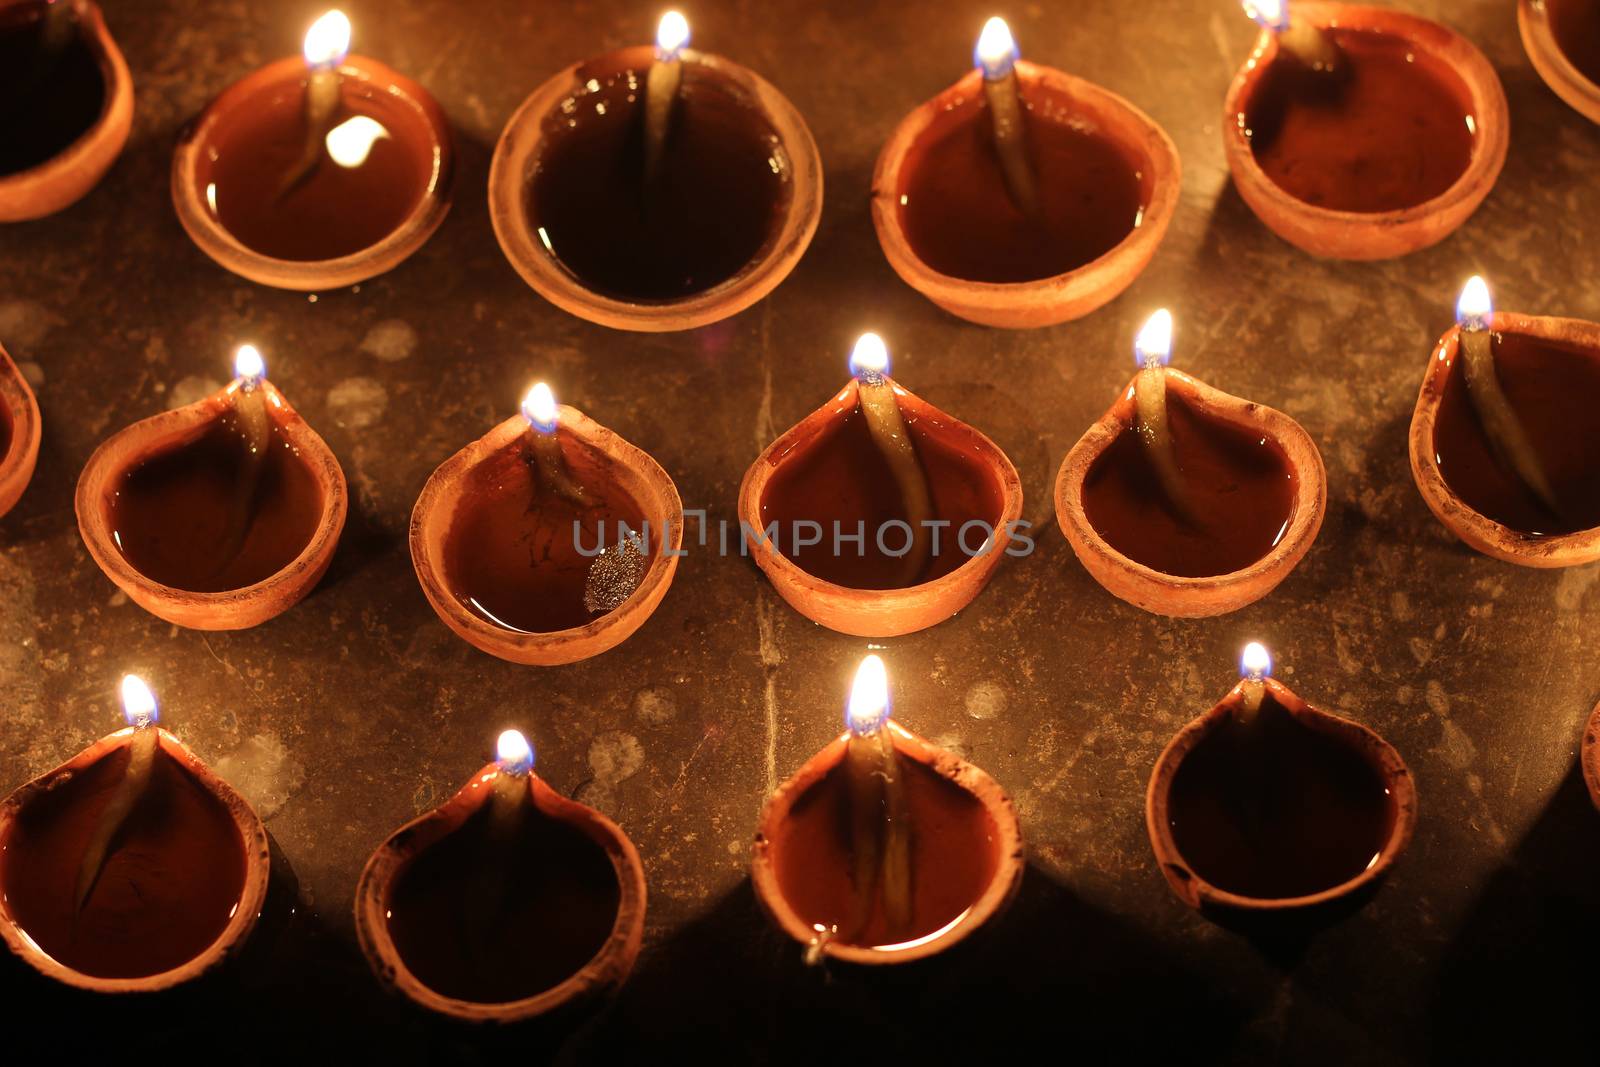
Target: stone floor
358, 709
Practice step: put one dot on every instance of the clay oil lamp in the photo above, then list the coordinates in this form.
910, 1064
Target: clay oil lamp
884, 848
1267, 804
507, 902
131, 867
68, 105
1361, 132
1022, 195
655, 188
1504, 436
1562, 38
19, 432
549, 539
878, 514
219, 515
315, 173
1185, 501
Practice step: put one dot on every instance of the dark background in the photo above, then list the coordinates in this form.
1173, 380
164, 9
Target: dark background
357, 709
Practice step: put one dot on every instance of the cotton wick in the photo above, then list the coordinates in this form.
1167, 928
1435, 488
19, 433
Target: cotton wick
869, 362
139, 707
1300, 39
541, 412
996, 55
661, 88
326, 45
880, 830
1151, 350
1508, 437
1255, 667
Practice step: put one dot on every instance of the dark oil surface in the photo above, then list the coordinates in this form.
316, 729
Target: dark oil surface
1239, 485
1554, 389
717, 200
961, 220
52, 90
1273, 808
171, 880
1391, 133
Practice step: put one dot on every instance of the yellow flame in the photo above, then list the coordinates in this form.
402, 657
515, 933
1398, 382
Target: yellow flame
328, 40
870, 355
1153, 346
869, 697
513, 749
996, 46
248, 364
138, 702
672, 33
539, 406
1474, 306
1272, 14
350, 142
1256, 662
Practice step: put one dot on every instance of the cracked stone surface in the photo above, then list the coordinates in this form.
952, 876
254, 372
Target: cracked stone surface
358, 709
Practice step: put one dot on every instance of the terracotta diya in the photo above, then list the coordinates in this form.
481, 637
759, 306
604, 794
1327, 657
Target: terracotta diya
884, 848
1591, 755
131, 867
1562, 38
1186, 501
69, 105
508, 902
655, 189
1504, 436
1265, 803
1360, 132
219, 515
878, 514
549, 539
1022, 195
315, 173
19, 432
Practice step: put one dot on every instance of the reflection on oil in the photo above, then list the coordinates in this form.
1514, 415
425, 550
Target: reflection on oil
350, 142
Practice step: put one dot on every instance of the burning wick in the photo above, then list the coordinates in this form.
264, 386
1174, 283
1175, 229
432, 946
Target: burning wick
1312, 47
996, 55
1152, 350
1255, 667
1507, 436
327, 43
255, 430
539, 408
869, 362
139, 708
489, 893
514, 757
661, 87
880, 830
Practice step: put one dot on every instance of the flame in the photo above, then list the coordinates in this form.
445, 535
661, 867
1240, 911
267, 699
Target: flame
870, 357
869, 698
1474, 308
672, 33
996, 50
249, 366
539, 408
138, 703
350, 142
1153, 346
1269, 14
328, 40
1256, 662
514, 753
